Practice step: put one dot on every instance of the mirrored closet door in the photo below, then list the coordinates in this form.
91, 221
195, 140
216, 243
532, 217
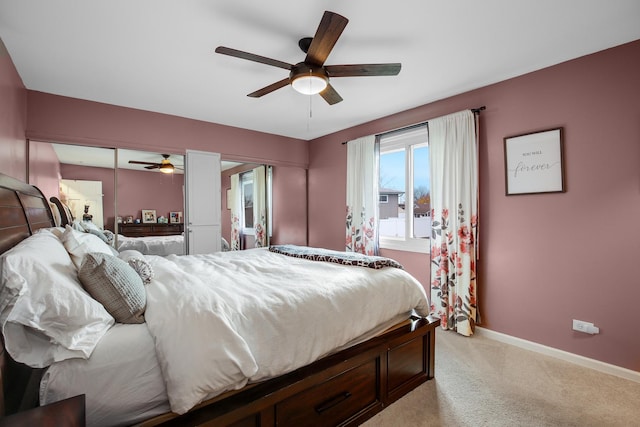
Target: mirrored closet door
150, 202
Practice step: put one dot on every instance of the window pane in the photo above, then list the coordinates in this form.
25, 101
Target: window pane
392, 185
247, 189
247, 199
421, 193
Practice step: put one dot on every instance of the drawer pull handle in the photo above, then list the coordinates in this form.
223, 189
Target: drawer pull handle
332, 402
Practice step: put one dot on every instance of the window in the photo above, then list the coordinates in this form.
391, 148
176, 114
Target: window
405, 221
384, 198
247, 198
246, 185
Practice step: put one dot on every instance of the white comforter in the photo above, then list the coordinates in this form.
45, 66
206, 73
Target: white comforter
153, 245
222, 320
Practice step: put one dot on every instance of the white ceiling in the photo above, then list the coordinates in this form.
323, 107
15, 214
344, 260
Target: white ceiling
158, 55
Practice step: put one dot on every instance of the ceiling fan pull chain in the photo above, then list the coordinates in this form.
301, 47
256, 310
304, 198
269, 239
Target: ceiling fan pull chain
310, 109
309, 118
310, 114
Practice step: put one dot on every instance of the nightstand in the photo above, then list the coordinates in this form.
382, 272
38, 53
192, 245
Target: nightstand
65, 413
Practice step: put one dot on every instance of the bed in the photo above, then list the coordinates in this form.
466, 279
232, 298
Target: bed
289, 373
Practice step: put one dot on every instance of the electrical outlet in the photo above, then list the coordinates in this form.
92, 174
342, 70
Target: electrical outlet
579, 325
586, 327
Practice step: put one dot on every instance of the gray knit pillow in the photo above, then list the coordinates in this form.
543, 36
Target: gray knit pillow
114, 284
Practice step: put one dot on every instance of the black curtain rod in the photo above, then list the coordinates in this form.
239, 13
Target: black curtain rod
473, 110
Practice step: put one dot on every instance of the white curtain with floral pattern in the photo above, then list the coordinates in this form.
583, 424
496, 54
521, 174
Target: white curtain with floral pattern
260, 207
454, 214
235, 206
362, 196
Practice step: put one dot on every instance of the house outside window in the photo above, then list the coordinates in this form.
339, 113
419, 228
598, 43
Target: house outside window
389, 203
405, 221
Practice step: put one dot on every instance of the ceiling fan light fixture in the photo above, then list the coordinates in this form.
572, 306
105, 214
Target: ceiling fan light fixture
309, 84
166, 168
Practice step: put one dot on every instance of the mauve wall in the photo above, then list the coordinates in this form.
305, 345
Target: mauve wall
44, 168
61, 119
13, 118
289, 205
139, 190
545, 259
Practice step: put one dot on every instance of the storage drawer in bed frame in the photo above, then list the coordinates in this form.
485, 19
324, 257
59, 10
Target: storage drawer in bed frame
344, 389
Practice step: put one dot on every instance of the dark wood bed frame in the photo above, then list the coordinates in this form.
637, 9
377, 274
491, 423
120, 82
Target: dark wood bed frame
345, 388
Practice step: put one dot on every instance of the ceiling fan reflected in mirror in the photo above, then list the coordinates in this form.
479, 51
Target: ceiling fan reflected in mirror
165, 166
311, 76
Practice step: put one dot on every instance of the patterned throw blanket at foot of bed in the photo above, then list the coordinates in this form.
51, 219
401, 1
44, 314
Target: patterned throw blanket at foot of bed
344, 258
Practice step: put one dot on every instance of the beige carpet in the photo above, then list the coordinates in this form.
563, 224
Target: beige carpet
483, 382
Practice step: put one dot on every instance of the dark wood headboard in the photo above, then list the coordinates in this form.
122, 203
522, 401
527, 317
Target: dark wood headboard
23, 210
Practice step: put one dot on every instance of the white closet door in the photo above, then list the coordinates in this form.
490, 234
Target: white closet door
203, 212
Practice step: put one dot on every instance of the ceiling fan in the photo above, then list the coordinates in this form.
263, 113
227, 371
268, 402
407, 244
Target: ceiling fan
311, 76
164, 166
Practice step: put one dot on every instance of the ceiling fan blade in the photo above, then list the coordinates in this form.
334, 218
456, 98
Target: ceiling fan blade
268, 89
156, 166
135, 162
391, 69
252, 57
327, 34
330, 95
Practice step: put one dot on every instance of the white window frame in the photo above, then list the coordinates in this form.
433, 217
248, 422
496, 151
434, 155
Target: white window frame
405, 140
251, 231
386, 198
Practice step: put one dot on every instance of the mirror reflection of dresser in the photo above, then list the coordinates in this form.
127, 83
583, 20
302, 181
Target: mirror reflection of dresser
157, 229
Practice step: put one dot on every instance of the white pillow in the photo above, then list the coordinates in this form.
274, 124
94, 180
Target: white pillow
57, 231
89, 225
45, 314
78, 244
110, 236
77, 225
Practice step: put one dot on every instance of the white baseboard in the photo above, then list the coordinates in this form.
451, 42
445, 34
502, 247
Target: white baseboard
561, 354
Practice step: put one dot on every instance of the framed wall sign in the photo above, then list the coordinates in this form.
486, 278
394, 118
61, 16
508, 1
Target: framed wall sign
533, 163
148, 216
